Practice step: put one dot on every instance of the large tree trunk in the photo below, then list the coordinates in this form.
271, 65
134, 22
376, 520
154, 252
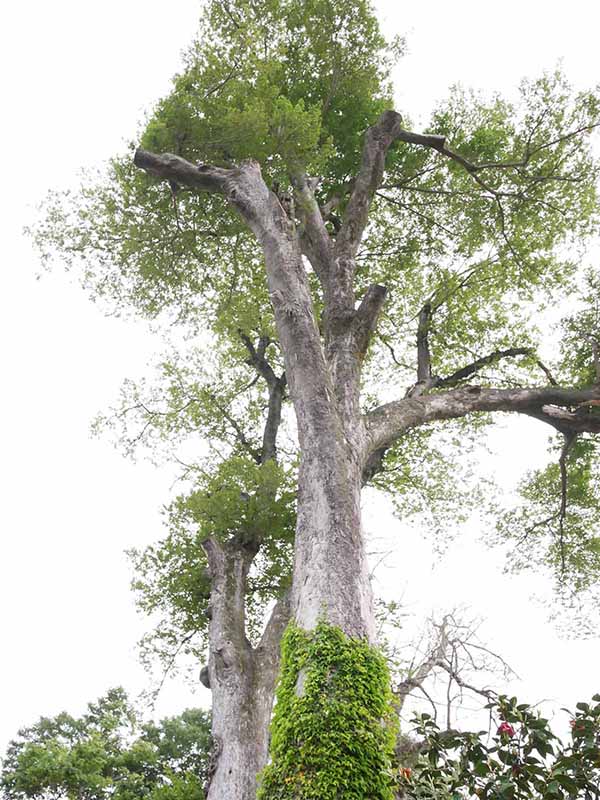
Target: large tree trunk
242, 678
331, 660
331, 579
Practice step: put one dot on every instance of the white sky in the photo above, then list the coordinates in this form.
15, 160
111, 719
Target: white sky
76, 78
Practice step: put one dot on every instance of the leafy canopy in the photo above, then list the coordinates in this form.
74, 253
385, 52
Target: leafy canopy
485, 247
108, 753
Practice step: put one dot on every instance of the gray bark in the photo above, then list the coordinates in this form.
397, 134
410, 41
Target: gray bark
330, 568
550, 404
241, 678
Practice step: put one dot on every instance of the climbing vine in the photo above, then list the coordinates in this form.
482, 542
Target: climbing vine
333, 731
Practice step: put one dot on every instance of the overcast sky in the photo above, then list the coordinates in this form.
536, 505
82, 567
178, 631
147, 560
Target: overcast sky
76, 78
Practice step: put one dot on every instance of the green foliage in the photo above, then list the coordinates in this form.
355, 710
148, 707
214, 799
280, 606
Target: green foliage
196, 392
290, 84
487, 256
524, 760
238, 499
429, 476
557, 525
333, 731
581, 331
108, 753
294, 84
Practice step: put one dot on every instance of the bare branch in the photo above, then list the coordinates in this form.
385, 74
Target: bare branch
480, 363
388, 422
453, 647
367, 314
378, 139
455, 675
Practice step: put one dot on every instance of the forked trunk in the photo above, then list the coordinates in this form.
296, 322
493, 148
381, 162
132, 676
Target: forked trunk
241, 714
242, 678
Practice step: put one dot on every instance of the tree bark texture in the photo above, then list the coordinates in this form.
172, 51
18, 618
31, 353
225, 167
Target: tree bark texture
241, 678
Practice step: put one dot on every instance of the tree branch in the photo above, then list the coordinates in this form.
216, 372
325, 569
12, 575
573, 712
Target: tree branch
276, 388
183, 173
569, 440
280, 616
478, 364
423, 353
315, 240
367, 314
378, 139
438, 143
549, 404
595, 345
237, 429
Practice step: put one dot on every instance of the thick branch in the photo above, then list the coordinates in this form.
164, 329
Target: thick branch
388, 422
246, 191
228, 563
271, 638
271, 429
378, 139
315, 240
569, 440
373, 465
423, 354
257, 358
183, 173
367, 314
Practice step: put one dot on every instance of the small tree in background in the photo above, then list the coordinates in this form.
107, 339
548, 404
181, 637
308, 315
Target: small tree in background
109, 753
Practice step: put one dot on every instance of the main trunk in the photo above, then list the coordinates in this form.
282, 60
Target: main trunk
331, 578
332, 731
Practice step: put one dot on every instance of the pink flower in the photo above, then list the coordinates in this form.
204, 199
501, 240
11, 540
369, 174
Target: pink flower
506, 729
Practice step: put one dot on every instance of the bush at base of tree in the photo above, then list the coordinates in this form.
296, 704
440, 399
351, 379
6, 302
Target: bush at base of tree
522, 760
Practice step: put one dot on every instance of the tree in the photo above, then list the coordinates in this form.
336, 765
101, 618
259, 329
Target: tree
107, 752
340, 255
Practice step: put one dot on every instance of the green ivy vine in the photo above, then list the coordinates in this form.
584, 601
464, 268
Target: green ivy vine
333, 731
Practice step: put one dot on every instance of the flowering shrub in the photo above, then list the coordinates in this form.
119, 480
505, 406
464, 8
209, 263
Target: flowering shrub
524, 760
506, 729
